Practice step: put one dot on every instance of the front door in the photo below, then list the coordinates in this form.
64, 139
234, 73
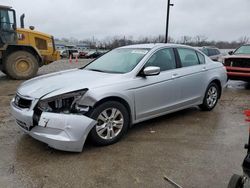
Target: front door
156, 95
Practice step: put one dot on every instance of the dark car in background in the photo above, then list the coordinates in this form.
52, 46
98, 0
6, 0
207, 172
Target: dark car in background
237, 63
94, 54
212, 52
73, 53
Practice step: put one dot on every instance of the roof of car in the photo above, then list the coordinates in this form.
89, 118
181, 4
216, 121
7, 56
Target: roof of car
154, 45
5, 7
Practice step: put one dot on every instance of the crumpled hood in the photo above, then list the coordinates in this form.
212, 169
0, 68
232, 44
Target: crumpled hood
63, 82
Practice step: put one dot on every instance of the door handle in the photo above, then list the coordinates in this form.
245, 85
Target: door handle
204, 68
175, 75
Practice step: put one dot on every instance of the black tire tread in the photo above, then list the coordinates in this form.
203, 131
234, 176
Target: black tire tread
10, 60
204, 106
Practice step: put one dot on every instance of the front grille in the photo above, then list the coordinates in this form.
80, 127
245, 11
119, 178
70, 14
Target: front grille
22, 102
241, 62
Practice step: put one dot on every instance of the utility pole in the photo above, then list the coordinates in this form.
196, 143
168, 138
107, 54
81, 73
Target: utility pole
167, 22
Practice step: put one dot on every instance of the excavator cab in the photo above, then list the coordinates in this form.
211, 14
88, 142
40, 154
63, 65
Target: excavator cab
8, 33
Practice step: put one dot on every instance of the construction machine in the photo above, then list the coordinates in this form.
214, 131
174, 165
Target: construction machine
23, 51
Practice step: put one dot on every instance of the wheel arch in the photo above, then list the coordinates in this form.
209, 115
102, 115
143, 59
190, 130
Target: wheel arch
117, 99
218, 83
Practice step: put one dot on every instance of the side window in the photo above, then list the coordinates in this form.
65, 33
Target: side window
205, 51
210, 52
201, 58
217, 51
165, 59
188, 57
213, 52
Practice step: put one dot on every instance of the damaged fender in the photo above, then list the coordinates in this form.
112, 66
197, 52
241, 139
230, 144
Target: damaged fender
66, 132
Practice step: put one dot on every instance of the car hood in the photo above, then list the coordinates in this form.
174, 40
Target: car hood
65, 81
237, 56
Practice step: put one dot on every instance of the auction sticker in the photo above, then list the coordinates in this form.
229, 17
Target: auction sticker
139, 52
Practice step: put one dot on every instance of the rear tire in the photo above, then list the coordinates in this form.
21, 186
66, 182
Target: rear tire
112, 123
211, 97
21, 65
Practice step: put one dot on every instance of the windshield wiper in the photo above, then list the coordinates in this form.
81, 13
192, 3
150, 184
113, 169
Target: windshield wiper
96, 70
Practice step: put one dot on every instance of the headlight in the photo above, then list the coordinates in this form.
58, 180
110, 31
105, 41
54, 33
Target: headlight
64, 103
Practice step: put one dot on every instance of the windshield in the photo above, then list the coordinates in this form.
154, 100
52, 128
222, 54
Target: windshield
7, 19
122, 60
243, 50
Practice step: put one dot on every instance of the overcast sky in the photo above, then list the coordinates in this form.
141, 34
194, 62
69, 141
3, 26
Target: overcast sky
81, 19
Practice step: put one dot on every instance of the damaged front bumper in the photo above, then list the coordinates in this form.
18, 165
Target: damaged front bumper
66, 132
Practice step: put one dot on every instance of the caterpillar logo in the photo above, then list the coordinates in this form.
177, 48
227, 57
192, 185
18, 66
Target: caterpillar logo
20, 36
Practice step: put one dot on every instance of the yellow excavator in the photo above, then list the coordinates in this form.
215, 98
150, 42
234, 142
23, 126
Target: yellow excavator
23, 51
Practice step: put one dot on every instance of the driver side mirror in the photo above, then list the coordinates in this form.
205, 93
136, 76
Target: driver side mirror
151, 71
231, 52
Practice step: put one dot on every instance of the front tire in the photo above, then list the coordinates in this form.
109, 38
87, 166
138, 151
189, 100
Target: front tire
21, 65
235, 182
211, 97
112, 123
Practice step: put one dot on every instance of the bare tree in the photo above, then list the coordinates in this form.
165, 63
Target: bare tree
200, 40
186, 39
244, 40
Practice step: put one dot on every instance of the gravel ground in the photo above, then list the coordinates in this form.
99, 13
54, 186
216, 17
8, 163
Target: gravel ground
62, 65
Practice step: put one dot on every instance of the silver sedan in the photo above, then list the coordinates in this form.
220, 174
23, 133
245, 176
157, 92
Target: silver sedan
123, 87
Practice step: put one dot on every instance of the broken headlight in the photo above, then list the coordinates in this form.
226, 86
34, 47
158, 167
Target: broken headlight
65, 103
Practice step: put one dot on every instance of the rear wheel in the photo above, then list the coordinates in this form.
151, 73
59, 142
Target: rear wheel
211, 97
112, 123
21, 65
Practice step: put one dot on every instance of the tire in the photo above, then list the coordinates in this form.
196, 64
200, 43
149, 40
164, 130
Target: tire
211, 97
106, 131
235, 182
4, 71
21, 65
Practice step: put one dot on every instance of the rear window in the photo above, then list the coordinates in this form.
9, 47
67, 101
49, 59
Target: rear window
201, 58
188, 57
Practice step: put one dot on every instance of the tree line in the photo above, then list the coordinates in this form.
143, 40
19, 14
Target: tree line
118, 41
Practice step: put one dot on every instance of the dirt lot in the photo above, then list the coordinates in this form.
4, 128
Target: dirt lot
194, 148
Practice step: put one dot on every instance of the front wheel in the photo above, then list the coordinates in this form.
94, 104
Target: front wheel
21, 65
112, 123
235, 182
211, 97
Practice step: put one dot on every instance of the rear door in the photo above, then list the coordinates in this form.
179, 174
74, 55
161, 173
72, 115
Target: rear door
192, 76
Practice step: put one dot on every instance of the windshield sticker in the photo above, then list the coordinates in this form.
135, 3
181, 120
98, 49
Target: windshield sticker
139, 52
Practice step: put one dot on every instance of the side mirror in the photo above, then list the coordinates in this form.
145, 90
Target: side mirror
151, 71
231, 52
